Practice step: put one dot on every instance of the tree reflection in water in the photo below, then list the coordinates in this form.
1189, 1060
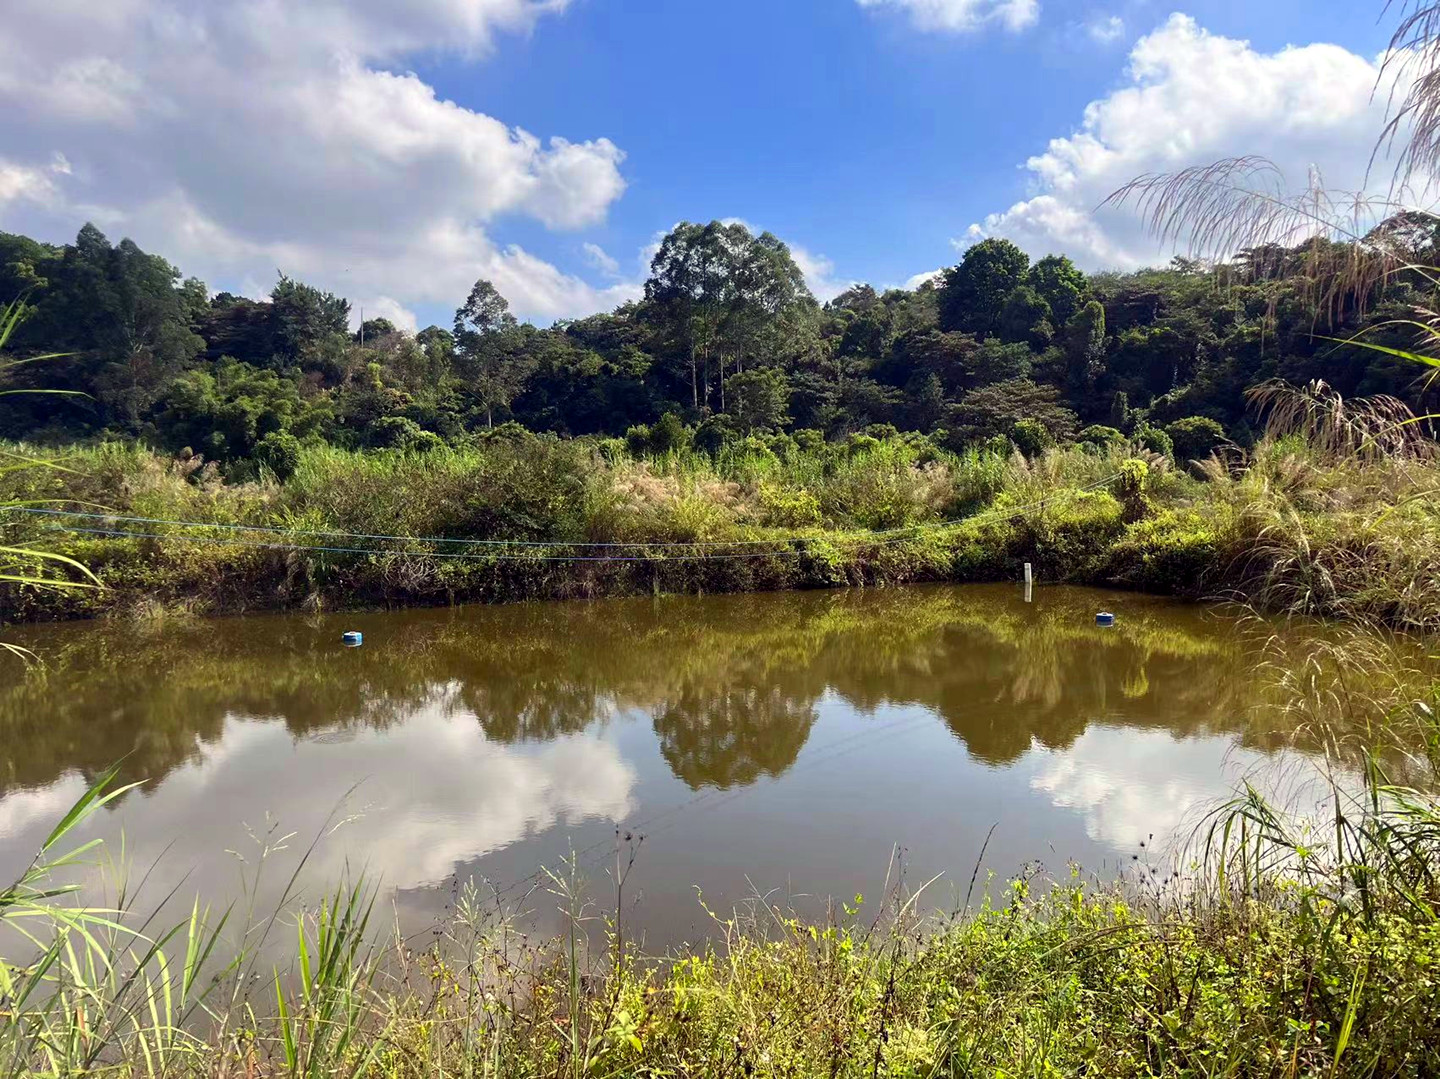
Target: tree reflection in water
732, 685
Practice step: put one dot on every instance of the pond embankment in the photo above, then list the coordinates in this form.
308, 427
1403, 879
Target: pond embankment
535, 518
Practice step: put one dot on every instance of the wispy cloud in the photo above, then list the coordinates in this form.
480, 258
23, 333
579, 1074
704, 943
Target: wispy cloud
1106, 29
597, 257
964, 15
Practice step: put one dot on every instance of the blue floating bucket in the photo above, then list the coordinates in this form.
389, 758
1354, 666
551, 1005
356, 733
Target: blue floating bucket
1104, 618
353, 639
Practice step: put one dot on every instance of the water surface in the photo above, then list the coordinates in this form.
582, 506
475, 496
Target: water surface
777, 742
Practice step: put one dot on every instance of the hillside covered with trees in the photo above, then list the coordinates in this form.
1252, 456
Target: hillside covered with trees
727, 343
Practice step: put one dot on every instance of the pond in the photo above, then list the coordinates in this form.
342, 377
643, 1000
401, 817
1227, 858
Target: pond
784, 744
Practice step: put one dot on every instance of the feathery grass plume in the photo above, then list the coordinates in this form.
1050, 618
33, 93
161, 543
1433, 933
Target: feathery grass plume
1369, 698
1339, 246
1240, 213
1334, 426
1414, 122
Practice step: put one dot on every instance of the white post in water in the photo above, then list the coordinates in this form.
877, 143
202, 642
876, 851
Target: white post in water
1029, 583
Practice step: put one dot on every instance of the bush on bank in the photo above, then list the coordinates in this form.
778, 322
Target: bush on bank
1077, 982
1288, 526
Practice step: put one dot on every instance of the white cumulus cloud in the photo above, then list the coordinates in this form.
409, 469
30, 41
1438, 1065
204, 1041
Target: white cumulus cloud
819, 274
1192, 97
921, 278
964, 15
427, 796
34, 184
1135, 787
386, 307
237, 138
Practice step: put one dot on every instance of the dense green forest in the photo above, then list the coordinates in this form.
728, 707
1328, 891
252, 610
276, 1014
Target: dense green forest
727, 343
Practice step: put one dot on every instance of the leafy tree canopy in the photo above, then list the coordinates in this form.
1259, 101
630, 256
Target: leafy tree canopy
727, 343
974, 293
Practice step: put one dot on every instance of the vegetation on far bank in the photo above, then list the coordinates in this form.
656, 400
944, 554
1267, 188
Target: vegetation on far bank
1299, 523
1202, 430
1167, 430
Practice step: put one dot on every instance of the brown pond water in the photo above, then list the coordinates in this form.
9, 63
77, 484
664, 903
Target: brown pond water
783, 742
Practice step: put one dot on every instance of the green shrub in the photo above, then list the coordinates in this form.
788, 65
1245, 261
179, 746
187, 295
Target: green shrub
637, 441
860, 445
1155, 440
1172, 552
404, 434
1100, 437
1134, 486
999, 445
1069, 533
785, 508
714, 433
1195, 437
783, 446
744, 456
923, 448
509, 431
393, 432
669, 434
611, 450
279, 451
1031, 437
809, 440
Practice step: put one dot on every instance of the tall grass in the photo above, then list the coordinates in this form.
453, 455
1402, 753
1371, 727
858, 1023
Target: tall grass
1336, 512
97, 990
91, 987
1307, 521
24, 563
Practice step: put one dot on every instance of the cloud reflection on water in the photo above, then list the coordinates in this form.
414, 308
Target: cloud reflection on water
470, 732
411, 802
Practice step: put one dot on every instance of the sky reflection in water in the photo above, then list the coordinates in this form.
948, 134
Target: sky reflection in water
777, 741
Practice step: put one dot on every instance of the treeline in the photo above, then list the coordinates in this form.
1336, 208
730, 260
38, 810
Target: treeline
728, 343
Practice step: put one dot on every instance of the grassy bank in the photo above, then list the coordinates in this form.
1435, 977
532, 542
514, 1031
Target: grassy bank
1291, 525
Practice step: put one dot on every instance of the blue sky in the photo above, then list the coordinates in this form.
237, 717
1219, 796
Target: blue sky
841, 128
382, 147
